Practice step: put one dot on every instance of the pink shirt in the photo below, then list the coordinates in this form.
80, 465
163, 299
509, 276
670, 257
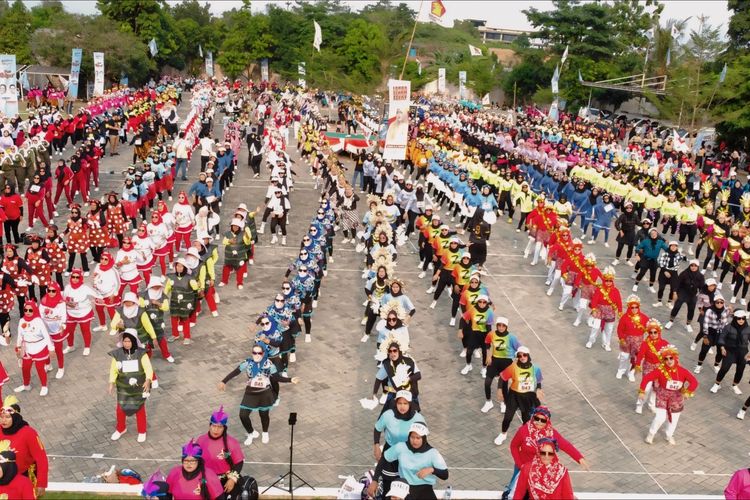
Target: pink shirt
181, 488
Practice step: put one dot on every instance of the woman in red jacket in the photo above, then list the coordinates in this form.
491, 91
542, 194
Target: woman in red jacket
648, 356
544, 477
64, 180
672, 384
35, 201
524, 445
12, 484
25, 441
12, 203
46, 177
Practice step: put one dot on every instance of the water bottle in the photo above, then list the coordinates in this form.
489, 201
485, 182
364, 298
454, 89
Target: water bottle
448, 492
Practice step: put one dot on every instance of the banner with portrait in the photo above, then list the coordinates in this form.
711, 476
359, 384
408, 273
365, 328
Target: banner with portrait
397, 133
98, 73
8, 87
75, 73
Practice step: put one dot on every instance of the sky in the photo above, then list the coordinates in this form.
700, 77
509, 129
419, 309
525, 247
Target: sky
498, 14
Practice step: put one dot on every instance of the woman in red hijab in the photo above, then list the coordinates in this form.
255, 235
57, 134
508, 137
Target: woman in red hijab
32, 347
54, 314
544, 478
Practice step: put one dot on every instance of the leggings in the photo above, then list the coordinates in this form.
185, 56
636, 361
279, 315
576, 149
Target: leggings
496, 366
595, 232
690, 302
476, 341
445, 279
664, 280
647, 265
226, 272
140, 419
740, 282
70, 329
100, 313
72, 259
523, 401
180, 325
689, 231
670, 224
620, 245
11, 228
59, 355
280, 222
26, 370
707, 342
734, 356
522, 221
182, 237
265, 419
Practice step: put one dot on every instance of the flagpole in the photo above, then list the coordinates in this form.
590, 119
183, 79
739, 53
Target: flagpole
408, 49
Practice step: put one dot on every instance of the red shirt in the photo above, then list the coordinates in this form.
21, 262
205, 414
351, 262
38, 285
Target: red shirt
12, 205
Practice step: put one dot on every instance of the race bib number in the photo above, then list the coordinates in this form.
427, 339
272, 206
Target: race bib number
130, 366
259, 382
526, 386
674, 385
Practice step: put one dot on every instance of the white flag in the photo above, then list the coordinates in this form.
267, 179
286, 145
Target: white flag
486, 99
200, 51
318, 36
675, 32
564, 56
152, 47
474, 51
419, 67
580, 76
555, 81
669, 56
723, 74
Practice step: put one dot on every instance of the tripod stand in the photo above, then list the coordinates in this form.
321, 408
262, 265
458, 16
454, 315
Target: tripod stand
291, 474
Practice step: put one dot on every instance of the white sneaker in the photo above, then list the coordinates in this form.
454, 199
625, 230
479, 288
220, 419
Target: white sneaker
484, 372
452, 322
100, 328
639, 408
736, 390
549, 293
652, 289
43, 391
215, 313
500, 439
292, 357
635, 288
619, 374
589, 345
615, 262
22, 388
631, 376
689, 328
720, 286
308, 338
462, 354
741, 414
48, 367
717, 368
650, 439
670, 440
630, 263
656, 304
155, 384
60, 373
430, 290
239, 287
283, 240
693, 346
419, 265
577, 322
315, 304
433, 304
264, 438
364, 321
86, 351
668, 325
466, 369
141, 437
606, 347
697, 369
274, 239
430, 266
715, 388
606, 245
502, 406
250, 437
421, 275
364, 338
743, 302
262, 228
69, 349
117, 435
733, 300
560, 307
345, 241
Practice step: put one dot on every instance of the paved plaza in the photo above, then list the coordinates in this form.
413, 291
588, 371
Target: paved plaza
334, 434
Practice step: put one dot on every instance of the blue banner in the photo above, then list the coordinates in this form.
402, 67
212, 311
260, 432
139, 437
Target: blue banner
75, 71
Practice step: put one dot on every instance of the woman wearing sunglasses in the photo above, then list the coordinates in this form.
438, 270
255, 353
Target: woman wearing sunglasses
525, 443
648, 360
259, 394
544, 476
32, 347
524, 390
192, 479
672, 384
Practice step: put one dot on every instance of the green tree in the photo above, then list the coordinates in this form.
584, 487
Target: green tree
15, 31
361, 45
738, 30
248, 39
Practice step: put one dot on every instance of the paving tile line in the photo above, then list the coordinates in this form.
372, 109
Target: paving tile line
364, 466
573, 383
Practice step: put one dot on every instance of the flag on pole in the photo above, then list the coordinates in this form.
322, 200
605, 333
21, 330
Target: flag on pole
437, 11
678, 143
152, 47
318, 36
564, 56
675, 31
474, 51
723, 74
580, 76
555, 81
419, 67
486, 99
200, 51
669, 56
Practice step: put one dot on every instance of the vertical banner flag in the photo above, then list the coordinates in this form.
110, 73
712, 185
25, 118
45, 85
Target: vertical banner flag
396, 136
564, 56
24, 78
723, 74
75, 73
318, 36
264, 70
669, 56
419, 67
486, 100
200, 51
462, 84
301, 70
98, 73
210, 63
8, 92
152, 47
441, 80
555, 81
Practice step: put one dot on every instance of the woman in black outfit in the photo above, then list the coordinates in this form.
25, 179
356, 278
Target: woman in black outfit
626, 225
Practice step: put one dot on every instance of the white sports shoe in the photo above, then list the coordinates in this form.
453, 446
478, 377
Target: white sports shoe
141, 437
43, 391
117, 435
488, 405
308, 338
715, 388
500, 439
264, 438
364, 338
452, 322
250, 437
60, 373
736, 390
466, 369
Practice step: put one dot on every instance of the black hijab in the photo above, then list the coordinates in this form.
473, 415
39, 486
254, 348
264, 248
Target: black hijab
422, 449
9, 467
18, 424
